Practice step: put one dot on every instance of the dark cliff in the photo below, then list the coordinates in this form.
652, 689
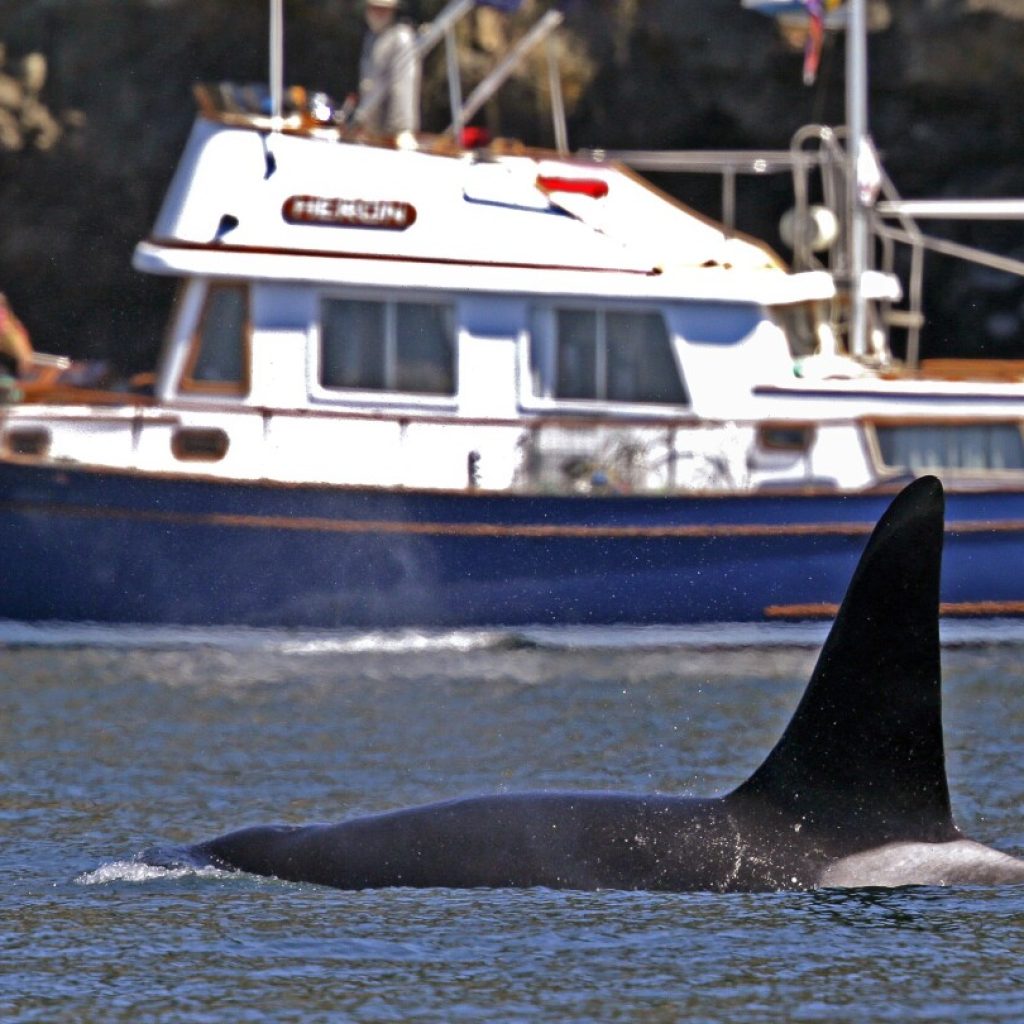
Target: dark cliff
89, 138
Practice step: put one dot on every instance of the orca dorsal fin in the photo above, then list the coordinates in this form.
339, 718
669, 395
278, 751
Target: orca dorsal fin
862, 760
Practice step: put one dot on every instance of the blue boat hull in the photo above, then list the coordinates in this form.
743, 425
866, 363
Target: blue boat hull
81, 545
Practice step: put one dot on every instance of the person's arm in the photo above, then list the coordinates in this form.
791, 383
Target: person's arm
14, 340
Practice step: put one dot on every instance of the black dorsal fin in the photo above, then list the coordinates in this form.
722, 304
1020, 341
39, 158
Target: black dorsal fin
862, 761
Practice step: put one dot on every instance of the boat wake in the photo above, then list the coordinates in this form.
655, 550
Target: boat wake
138, 872
700, 636
239, 638
410, 641
403, 642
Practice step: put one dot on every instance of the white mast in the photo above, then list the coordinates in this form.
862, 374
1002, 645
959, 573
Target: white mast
860, 153
276, 71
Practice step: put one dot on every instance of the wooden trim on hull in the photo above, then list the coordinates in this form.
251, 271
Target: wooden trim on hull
948, 609
325, 524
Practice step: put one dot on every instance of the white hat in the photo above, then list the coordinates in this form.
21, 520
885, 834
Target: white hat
382, 3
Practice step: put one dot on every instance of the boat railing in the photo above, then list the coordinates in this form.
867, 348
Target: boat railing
905, 231
429, 36
818, 227
443, 28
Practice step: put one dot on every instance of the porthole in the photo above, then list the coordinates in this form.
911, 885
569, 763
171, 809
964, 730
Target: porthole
200, 444
785, 437
27, 441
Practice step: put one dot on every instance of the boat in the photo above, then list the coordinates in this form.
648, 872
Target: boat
472, 382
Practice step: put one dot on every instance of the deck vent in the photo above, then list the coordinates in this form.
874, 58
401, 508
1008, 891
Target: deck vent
200, 444
27, 441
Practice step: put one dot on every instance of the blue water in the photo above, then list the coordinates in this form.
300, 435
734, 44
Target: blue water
114, 741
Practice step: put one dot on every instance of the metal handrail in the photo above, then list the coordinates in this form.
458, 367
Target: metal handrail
730, 164
462, 111
497, 78
892, 220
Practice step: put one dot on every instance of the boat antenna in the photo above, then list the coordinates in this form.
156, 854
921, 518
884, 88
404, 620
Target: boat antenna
276, 70
860, 159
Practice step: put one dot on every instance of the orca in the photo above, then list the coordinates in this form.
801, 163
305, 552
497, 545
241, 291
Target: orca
854, 793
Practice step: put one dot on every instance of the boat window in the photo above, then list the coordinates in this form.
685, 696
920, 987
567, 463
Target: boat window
936, 446
388, 346
27, 441
218, 358
785, 437
577, 373
608, 355
200, 444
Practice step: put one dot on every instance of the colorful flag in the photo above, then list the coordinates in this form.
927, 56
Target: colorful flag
781, 8
812, 13
815, 40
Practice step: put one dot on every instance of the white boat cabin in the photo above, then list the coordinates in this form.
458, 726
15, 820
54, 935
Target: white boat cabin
499, 319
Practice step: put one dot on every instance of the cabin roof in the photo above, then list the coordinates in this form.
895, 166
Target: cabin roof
247, 200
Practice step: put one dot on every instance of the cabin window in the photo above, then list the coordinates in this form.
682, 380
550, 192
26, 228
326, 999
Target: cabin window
604, 355
218, 360
388, 346
937, 446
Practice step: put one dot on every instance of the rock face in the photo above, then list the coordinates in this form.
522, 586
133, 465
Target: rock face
25, 121
86, 153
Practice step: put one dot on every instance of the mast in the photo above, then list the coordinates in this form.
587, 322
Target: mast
276, 70
859, 154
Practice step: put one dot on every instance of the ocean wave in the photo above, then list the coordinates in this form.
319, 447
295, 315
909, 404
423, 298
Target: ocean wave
402, 641
704, 636
138, 872
155, 637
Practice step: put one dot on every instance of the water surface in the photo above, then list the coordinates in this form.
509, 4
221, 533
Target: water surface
114, 741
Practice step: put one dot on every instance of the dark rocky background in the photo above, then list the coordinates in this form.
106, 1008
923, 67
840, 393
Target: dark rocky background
90, 134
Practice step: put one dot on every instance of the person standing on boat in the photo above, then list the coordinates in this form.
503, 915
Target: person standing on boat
16, 352
389, 75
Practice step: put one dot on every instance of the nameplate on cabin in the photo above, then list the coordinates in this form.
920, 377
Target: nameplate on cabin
386, 214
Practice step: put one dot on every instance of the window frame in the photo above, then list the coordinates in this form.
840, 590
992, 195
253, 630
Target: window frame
885, 469
320, 392
543, 399
188, 383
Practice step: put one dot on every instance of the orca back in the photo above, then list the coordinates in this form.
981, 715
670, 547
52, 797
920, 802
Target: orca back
862, 761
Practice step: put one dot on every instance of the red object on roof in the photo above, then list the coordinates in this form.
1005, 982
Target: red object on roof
596, 188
